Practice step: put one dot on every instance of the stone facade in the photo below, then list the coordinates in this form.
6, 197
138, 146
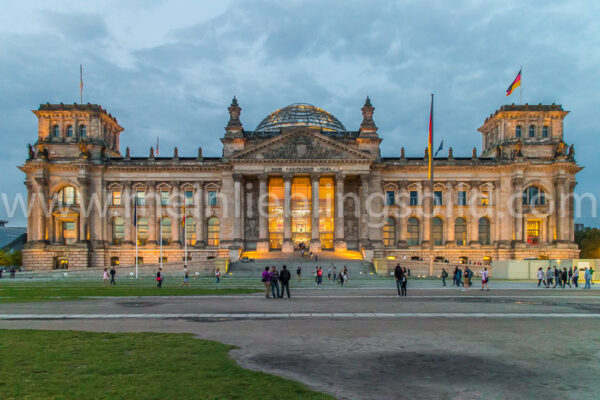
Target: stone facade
513, 201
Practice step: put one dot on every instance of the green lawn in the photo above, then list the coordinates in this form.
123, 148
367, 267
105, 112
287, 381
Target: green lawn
89, 365
25, 291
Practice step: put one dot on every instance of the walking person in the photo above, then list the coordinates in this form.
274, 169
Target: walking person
588, 278
284, 278
266, 279
217, 277
105, 277
565, 277
485, 277
329, 273
459, 281
467, 283
576, 276
556, 277
274, 282
334, 274
299, 273
159, 278
549, 277
444, 276
454, 276
319, 276
541, 277
316, 274
404, 282
398, 274
569, 275
186, 277
113, 272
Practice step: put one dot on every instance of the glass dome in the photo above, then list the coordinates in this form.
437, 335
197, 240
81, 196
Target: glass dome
300, 115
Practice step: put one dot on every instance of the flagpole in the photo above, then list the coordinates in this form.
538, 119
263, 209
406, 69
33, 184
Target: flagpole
136, 251
161, 241
431, 202
521, 86
184, 233
80, 83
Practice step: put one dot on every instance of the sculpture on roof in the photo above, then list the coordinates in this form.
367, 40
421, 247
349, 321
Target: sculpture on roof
31, 152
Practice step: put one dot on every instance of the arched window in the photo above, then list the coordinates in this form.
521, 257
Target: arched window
82, 131
460, 231
412, 231
166, 230
142, 231
389, 232
69, 131
214, 230
518, 131
438, 231
55, 131
68, 196
545, 131
531, 131
190, 231
484, 231
118, 230
534, 196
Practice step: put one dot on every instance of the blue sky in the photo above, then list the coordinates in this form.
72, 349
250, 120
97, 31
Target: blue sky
170, 69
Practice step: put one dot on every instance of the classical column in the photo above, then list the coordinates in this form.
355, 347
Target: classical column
84, 207
199, 214
315, 239
128, 214
450, 217
97, 222
288, 245
376, 205
237, 207
340, 243
150, 214
495, 224
426, 207
40, 204
473, 218
518, 219
263, 212
402, 221
177, 217
364, 217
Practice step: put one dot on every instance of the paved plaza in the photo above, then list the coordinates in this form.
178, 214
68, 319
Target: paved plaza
368, 343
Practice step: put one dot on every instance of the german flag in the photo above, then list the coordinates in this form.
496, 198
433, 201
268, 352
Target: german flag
515, 84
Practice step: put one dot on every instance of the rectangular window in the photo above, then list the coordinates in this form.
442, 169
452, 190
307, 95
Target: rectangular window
414, 198
69, 232
533, 232
437, 198
485, 198
164, 198
69, 196
140, 260
389, 198
114, 261
164, 259
140, 198
462, 197
116, 198
212, 197
189, 197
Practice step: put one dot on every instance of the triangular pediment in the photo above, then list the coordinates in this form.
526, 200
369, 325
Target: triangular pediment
302, 144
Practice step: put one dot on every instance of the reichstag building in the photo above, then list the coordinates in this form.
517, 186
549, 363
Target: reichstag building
300, 179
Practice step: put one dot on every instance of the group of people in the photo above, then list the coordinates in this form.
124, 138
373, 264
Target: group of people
332, 275
563, 277
105, 276
271, 278
464, 279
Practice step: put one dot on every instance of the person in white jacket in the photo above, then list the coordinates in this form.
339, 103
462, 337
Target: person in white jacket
541, 277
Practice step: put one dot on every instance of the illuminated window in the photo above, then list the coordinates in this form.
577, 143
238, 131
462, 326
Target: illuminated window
189, 197
412, 231
518, 131
531, 131
545, 131
118, 230
275, 212
460, 231
116, 198
389, 198
69, 131
484, 231
190, 231
140, 197
55, 131
389, 232
164, 197
438, 231
69, 233
142, 231
485, 198
212, 198
82, 131
437, 198
534, 196
533, 232
462, 197
166, 230
414, 198
326, 220
214, 230
68, 196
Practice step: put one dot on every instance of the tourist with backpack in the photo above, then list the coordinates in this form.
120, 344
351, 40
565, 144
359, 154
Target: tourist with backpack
274, 282
284, 278
444, 276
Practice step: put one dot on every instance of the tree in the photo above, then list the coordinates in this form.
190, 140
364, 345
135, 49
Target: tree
588, 241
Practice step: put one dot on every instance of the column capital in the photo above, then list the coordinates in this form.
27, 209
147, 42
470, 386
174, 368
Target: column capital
287, 176
199, 185
237, 177
364, 179
175, 184
315, 176
263, 177
339, 177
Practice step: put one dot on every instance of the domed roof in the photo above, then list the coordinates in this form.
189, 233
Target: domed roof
300, 114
